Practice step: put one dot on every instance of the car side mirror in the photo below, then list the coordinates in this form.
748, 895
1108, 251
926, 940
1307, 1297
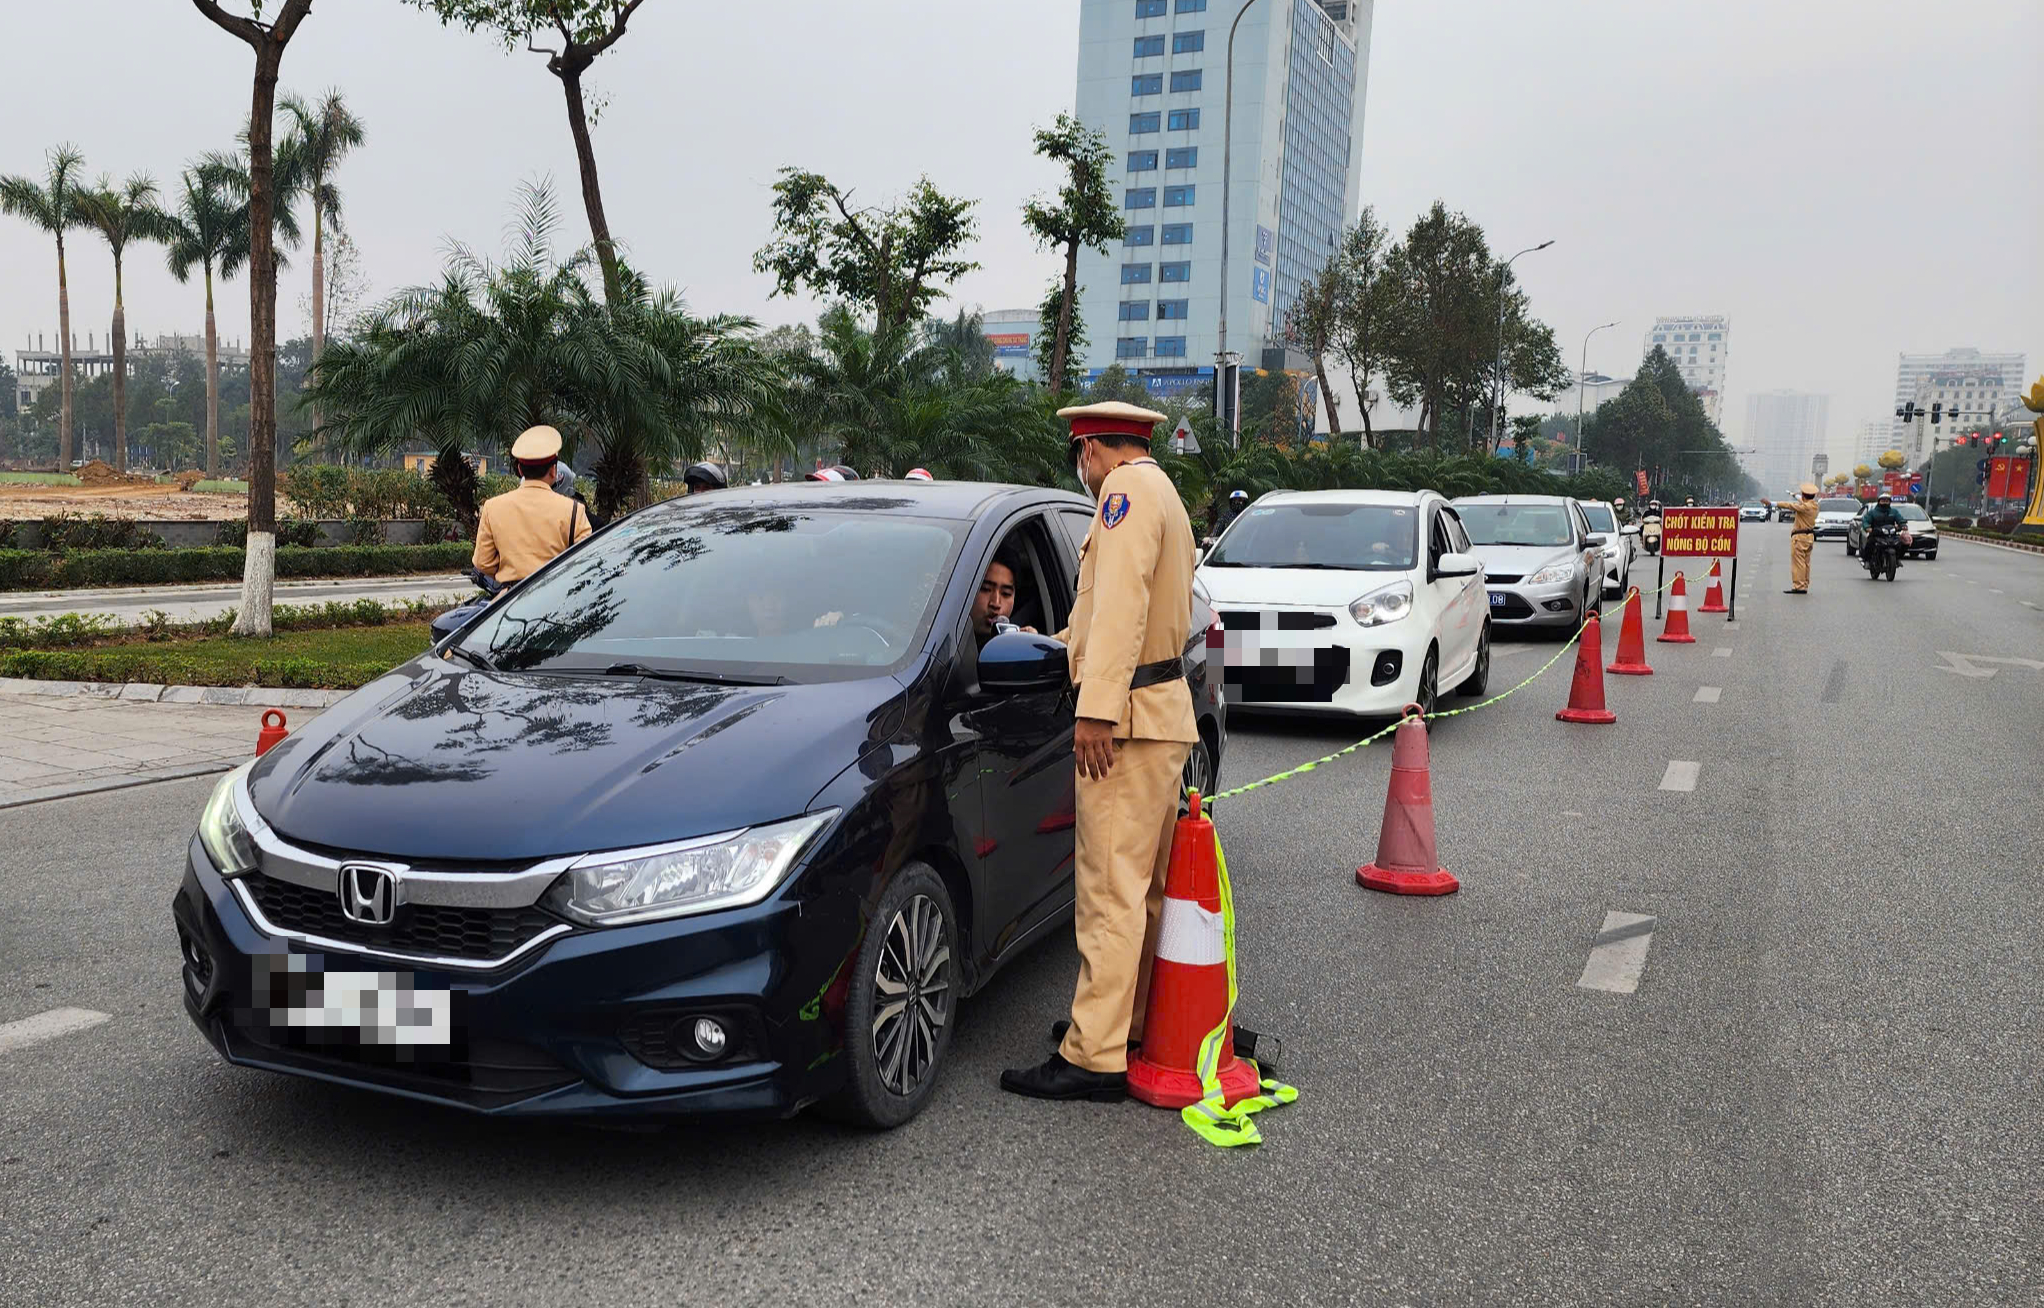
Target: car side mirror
1019, 663
1595, 540
1457, 565
1631, 530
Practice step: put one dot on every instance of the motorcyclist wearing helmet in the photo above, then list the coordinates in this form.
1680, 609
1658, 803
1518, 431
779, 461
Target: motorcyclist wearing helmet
1238, 500
702, 477
1882, 514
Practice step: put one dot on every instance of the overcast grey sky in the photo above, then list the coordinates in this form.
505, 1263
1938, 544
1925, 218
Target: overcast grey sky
1844, 178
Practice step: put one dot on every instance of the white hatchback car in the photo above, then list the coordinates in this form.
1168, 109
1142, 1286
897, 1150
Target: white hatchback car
1357, 602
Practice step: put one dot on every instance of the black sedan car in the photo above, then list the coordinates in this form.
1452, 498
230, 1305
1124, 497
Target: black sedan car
720, 813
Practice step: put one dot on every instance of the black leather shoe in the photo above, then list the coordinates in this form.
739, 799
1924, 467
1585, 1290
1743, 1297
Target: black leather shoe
1266, 1050
1793, 591
1054, 1078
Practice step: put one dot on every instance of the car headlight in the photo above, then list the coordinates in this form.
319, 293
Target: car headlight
1553, 574
1385, 604
226, 837
693, 876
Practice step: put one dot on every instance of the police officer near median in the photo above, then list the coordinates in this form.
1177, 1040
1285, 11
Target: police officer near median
520, 530
1802, 539
1134, 731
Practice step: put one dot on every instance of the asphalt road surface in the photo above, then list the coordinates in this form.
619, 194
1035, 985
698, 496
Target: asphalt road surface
1821, 1088
189, 603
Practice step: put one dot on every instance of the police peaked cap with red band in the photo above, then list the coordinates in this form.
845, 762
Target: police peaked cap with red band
1111, 419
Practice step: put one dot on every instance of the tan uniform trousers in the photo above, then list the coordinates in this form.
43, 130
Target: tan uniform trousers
1799, 561
1124, 849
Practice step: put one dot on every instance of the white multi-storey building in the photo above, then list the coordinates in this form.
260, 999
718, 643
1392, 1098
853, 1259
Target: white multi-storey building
1012, 333
1786, 429
1153, 76
1975, 383
1876, 437
1699, 347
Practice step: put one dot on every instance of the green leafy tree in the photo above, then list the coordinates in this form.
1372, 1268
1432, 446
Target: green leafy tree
1310, 324
120, 214
964, 336
1048, 315
53, 206
208, 231
895, 261
268, 41
1363, 310
1444, 322
491, 349
319, 138
571, 34
1532, 358
1085, 214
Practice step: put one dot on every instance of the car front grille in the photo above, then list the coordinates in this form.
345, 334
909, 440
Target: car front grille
480, 1072
444, 931
1511, 607
1502, 578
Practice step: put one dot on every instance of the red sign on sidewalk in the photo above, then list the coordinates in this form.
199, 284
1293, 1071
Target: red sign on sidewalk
1700, 532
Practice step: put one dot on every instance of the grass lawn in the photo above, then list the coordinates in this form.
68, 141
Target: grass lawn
37, 479
330, 659
222, 487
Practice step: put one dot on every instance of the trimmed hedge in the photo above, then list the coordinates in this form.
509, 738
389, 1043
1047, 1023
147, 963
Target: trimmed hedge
36, 570
164, 666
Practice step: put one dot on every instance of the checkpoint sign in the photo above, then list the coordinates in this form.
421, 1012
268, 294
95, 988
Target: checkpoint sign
1700, 532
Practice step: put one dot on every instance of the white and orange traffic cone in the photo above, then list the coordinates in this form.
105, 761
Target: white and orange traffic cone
1714, 595
1676, 629
1586, 691
1406, 863
1188, 979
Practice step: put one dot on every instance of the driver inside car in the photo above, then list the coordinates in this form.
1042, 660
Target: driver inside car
995, 602
768, 609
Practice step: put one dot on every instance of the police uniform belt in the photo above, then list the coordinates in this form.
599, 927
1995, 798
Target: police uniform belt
1156, 674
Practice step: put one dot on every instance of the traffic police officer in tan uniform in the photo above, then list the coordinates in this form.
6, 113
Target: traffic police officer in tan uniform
522, 529
1135, 728
1802, 539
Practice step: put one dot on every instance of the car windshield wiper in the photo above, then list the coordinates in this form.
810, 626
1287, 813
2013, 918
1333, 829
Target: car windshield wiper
471, 658
687, 674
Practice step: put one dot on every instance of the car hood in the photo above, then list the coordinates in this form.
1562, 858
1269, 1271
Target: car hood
1306, 587
438, 763
1520, 560
1837, 517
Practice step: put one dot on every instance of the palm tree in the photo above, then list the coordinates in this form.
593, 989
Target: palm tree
121, 214
210, 232
466, 364
319, 138
53, 206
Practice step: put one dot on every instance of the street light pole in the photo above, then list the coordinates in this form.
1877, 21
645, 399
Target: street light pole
1499, 394
1575, 465
1224, 406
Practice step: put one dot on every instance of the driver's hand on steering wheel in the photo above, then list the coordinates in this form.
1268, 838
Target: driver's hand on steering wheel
829, 619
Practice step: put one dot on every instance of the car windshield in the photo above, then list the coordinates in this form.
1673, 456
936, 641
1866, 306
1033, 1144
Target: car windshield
1321, 534
1838, 506
1516, 524
1600, 517
738, 593
1913, 512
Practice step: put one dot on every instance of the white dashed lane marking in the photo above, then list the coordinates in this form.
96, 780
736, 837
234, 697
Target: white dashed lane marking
1680, 775
1721, 652
1707, 694
1994, 590
46, 1026
1620, 953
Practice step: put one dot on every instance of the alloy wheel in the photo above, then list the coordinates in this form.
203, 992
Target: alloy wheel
1199, 770
912, 985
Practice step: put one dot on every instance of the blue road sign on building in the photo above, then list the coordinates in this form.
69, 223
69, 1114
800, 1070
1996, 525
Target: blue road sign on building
1259, 285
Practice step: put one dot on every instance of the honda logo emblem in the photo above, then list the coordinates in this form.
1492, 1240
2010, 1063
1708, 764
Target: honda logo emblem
369, 894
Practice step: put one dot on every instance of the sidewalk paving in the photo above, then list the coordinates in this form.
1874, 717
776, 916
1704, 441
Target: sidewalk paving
191, 602
52, 746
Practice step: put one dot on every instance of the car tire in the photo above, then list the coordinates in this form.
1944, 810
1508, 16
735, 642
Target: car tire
1932, 556
1198, 774
1428, 696
893, 1063
1479, 677
1850, 552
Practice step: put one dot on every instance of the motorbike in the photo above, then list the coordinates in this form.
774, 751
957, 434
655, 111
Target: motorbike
1881, 552
455, 618
1650, 533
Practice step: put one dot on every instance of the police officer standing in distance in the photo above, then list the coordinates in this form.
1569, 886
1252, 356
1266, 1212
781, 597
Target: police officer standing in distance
520, 530
1135, 728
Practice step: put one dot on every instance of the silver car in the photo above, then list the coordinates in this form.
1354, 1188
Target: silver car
1542, 563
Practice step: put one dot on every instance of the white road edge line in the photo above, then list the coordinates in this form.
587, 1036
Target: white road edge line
47, 1026
1707, 694
1615, 965
1680, 775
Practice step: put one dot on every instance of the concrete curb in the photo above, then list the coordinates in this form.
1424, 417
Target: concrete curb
70, 789
141, 693
2021, 546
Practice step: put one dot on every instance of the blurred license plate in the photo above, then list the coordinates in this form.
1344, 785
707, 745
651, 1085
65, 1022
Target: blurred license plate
378, 1009
1497, 597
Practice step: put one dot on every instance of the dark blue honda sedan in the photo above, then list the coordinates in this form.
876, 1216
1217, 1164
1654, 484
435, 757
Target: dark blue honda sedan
721, 812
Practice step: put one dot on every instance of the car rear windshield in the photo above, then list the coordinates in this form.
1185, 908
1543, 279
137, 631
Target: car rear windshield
1516, 524
1359, 537
1838, 506
1600, 518
737, 593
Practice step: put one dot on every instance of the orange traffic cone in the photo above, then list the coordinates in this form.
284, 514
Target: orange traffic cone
1632, 640
1405, 862
1714, 597
1677, 628
271, 733
1586, 693
1188, 980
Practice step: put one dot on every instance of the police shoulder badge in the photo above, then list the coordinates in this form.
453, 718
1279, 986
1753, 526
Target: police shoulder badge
1113, 509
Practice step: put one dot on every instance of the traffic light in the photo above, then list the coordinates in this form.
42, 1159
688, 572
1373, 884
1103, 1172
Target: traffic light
1907, 412
1937, 412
